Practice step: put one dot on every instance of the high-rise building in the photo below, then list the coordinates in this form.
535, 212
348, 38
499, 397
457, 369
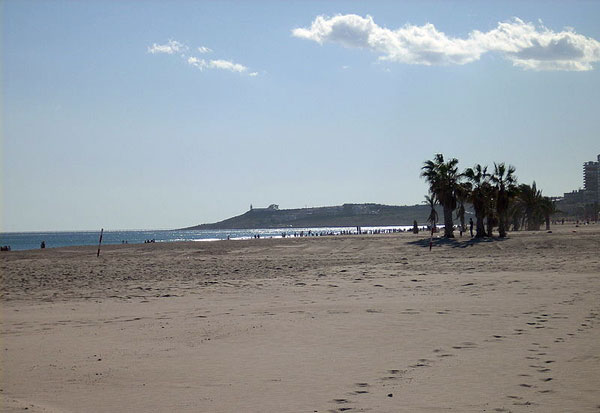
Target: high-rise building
591, 181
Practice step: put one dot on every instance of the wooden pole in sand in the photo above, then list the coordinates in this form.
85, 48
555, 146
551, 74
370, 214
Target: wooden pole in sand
100, 242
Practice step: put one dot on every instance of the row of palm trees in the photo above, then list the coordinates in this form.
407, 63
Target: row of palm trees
497, 199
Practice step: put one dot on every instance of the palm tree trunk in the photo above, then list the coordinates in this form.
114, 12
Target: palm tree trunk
480, 228
547, 217
516, 222
531, 222
490, 225
501, 226
448, 223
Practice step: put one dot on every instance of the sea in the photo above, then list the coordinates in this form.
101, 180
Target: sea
18, 241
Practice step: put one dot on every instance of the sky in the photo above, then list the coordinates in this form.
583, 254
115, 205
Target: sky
157, 115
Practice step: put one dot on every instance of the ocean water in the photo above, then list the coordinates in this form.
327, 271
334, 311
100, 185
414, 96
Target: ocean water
32, 240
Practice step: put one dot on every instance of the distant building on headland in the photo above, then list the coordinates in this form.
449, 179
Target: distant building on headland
272, 207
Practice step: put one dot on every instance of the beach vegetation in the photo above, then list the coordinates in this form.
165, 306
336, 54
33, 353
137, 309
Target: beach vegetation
479, 191
530, 199
443, 179
497, 198
462, 197
548, 208
432, 219
505, 188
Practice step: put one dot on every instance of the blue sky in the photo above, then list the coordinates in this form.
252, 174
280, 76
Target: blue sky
149, 114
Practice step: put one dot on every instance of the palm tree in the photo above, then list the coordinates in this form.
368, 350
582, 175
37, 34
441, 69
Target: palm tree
515, 211
443, 179
504, 181
529, 200
479, 190
491, 219
433, 215
548, 208
462, 196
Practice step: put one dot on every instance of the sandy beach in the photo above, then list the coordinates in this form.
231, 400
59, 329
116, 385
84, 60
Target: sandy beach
327, 324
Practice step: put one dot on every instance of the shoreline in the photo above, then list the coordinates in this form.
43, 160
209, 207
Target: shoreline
31, 240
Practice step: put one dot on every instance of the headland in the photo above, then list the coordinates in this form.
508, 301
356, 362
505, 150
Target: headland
347, 215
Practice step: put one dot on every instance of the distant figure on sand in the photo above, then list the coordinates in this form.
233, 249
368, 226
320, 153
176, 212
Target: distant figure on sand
471, 226
43, 245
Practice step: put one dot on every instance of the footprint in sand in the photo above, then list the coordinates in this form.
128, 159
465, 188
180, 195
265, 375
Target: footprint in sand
523, 403
465, 345
515, 397
421, 363
341, 409
441, 353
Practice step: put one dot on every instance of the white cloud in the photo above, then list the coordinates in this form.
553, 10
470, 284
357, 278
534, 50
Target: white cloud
217, 64
199, 63
174, 46
524, 44
171, 47
227, 65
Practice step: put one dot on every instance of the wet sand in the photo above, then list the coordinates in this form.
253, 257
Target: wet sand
356, 323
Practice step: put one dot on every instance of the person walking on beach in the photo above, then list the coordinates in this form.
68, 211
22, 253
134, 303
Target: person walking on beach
471, 226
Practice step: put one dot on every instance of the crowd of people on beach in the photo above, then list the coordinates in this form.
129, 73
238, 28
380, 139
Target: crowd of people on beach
358, 231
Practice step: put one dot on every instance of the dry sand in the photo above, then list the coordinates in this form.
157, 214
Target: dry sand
356, 323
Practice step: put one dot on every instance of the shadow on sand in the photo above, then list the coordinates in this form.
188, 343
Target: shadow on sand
455, 242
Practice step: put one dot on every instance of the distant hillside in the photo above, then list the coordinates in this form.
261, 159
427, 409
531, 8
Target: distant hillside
347, 215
